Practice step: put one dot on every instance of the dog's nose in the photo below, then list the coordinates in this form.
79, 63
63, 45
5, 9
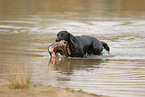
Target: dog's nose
57, 40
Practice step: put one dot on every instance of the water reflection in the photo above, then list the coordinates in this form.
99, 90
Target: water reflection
68, 65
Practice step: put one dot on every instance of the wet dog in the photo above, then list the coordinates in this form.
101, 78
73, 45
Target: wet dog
80, 46
61, 47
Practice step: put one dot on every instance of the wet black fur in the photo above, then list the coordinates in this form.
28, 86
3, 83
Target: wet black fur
82, 45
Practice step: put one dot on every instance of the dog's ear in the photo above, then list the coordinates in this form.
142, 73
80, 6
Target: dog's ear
72, 39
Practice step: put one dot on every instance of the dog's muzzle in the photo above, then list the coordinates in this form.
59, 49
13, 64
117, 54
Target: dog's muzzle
57, 40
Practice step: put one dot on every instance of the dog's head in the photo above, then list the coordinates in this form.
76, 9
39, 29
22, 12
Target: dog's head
64, 35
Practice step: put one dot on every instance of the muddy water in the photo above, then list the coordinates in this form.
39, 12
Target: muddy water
27, 28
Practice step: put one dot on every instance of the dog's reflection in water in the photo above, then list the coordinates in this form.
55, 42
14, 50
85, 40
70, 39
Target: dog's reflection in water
67, 65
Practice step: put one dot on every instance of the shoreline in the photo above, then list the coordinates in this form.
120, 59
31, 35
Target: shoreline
37, 89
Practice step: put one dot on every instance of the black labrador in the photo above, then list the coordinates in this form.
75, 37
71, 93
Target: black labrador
82, 45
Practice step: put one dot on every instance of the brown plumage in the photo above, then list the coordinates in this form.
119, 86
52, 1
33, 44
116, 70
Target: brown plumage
59, 47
